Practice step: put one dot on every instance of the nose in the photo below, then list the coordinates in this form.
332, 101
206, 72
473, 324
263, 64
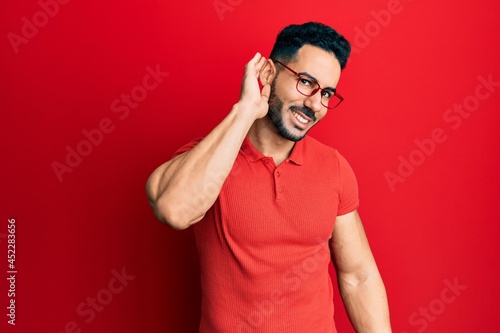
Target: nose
314, 102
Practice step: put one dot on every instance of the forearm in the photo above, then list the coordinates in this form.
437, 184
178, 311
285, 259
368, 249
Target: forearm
182, 190
366, 304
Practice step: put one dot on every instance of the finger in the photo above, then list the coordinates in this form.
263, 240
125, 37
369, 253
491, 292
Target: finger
250, 67
256, 58
260, 64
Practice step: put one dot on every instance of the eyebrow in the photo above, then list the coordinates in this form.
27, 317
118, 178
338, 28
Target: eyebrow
316, 80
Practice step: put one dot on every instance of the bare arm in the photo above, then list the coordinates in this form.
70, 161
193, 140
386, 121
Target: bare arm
360, 283
181, 190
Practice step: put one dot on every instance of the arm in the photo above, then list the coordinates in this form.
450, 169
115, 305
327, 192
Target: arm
360, 284
181, 190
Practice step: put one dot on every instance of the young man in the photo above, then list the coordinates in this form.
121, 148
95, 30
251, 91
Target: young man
263, 199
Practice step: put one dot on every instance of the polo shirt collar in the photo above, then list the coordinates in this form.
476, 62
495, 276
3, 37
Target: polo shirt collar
254, 155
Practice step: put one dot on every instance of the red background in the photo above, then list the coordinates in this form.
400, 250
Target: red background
440, 224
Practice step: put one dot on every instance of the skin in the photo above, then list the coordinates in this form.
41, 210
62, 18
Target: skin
181, 190
312, 60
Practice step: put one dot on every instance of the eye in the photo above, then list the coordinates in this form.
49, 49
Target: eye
327, 94
306, 82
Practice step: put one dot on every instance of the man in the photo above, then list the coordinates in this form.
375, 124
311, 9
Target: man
263, 199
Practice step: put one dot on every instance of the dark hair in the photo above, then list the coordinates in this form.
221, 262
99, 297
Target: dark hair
293, 37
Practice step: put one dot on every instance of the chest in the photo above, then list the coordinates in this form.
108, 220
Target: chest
261, 204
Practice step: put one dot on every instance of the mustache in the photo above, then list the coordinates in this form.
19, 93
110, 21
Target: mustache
305, 110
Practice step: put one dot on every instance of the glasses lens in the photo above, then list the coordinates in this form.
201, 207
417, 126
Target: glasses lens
308, 87
334, 101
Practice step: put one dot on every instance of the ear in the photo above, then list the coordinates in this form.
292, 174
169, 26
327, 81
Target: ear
267, 73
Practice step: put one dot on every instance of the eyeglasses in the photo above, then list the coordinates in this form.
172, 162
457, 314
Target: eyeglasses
307, 86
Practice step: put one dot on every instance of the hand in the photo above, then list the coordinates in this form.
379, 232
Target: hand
252, 98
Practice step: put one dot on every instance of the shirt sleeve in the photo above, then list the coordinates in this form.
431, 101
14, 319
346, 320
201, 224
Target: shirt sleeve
187, 147
348, 196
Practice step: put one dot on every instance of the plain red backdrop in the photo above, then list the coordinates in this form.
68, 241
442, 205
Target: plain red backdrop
435, 225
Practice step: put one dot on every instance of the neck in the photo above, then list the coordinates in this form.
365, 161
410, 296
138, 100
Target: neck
265, 137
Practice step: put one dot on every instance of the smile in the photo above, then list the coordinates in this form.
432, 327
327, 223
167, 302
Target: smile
300, 118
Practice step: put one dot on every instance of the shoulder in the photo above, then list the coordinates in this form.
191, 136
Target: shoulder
313, 147
322, 155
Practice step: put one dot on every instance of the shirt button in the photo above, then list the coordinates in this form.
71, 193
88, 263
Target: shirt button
266, 161
280, 189
277, 173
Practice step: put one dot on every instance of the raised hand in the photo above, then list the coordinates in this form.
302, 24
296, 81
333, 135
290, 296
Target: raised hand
252, 98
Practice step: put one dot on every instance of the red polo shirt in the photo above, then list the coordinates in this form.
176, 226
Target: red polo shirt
263, 245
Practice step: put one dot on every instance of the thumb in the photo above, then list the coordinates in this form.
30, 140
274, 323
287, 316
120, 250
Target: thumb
265, 93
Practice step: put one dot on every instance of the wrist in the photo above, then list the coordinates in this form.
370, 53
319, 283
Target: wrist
245, 112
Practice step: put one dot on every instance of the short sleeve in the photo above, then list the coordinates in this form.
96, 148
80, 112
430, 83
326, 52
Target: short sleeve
348, 196
187, 147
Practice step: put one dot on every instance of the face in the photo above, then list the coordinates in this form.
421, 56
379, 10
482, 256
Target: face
292, 113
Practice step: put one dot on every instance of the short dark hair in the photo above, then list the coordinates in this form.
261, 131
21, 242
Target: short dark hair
293, 37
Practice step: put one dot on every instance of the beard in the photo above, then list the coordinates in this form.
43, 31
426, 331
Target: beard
274, 113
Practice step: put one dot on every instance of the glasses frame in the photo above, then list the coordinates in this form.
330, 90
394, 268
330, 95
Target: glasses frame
300, 76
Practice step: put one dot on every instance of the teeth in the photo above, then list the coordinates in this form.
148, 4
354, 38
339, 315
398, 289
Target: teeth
300, 118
